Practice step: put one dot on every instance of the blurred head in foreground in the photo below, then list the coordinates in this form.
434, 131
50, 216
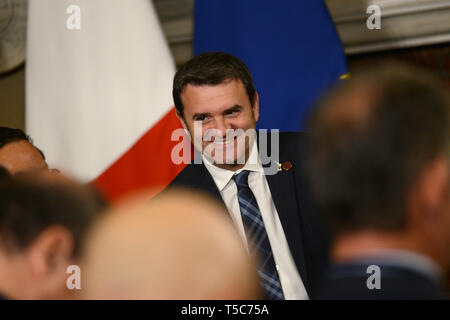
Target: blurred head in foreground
379, 164
43, 218
181, 245
17, 152
5, 176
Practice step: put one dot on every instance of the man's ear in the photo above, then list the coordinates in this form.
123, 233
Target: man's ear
52, 251
432, 186
256, 107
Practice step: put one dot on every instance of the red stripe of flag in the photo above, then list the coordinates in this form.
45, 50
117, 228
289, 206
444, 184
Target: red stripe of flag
147, 164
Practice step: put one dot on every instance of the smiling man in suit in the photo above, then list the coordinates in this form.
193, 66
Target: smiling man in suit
217, 104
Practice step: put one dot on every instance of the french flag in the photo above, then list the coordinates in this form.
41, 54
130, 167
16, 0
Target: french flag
98, 92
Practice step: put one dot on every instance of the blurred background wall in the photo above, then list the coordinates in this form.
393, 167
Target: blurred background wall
12, 98
417, 31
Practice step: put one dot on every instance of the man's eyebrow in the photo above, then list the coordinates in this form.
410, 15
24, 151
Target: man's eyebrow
198, 115
236, 107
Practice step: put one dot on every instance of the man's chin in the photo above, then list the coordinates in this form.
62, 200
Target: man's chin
220, 161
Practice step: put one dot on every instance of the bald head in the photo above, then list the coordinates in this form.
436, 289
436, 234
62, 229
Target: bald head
181, 245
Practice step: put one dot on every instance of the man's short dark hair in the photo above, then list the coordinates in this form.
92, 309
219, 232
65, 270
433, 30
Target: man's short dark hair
29, 206
211, 68
8, 135
362, 163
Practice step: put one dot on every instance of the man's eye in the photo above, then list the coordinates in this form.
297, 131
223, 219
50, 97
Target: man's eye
201, 118
231, 112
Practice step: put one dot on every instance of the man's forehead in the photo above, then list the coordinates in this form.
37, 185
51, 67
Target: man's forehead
21, 156
205, 89
20, 146
230, 93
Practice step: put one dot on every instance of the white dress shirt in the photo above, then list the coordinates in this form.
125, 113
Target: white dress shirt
291, 282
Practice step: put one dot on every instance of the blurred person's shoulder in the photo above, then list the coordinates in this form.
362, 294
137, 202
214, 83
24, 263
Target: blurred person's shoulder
350, 281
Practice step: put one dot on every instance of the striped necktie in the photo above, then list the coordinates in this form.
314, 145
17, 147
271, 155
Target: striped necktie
257, 238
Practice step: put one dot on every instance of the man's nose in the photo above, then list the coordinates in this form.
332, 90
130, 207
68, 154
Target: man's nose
222, 126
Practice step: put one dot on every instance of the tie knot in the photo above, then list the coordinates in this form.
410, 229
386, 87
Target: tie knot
241, 179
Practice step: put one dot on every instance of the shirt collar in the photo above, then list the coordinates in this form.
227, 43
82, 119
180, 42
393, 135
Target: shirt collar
223, 176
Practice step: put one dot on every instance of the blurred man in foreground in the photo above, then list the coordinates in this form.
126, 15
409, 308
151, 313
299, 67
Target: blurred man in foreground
181, 245
17, 152
43, 218
379, 164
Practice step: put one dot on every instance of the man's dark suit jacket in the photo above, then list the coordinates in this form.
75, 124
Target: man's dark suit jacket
349, 282
305, 235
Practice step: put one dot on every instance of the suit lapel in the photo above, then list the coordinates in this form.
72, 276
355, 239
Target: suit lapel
202, 180
283, 189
